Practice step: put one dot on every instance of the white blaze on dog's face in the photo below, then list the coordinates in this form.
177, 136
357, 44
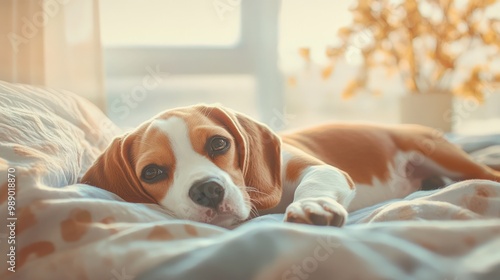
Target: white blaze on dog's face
201, 163
201, 173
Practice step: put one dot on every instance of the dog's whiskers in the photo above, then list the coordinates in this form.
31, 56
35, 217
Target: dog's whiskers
251, 189
254, 212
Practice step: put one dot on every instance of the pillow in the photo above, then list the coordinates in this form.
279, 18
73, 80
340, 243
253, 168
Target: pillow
49, 134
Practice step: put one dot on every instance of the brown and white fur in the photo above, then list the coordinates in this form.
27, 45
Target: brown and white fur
213, 165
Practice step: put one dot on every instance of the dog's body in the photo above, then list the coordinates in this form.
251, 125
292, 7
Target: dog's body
209, 164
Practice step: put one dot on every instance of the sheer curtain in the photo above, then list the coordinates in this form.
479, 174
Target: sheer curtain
55, 43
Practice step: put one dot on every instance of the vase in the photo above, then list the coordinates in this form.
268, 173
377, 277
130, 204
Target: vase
429, 109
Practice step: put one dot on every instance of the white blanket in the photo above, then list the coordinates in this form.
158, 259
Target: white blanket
65, 230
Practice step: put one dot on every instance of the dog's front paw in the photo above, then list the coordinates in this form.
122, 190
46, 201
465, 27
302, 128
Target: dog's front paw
321, 211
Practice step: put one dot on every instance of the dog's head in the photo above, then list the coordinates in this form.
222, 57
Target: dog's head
203, 163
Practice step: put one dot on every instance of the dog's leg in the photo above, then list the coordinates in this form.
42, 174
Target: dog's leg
321, 193
443, 158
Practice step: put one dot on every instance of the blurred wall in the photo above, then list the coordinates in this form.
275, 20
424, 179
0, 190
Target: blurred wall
53, 43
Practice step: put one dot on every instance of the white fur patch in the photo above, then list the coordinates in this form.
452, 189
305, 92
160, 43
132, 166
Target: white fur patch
400, 183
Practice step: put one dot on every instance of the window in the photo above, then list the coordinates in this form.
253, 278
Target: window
169, 22
162, 54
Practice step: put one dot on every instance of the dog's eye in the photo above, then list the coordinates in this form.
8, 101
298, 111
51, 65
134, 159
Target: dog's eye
218, 145
153, 173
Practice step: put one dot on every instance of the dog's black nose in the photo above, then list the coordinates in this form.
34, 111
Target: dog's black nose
208, 193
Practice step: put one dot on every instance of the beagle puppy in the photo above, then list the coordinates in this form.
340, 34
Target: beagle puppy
213, 165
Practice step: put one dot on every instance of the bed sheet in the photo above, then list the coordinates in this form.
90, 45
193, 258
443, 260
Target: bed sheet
66, 230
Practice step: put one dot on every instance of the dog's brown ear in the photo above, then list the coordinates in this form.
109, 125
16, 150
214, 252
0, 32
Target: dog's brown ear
113, 171
259, 151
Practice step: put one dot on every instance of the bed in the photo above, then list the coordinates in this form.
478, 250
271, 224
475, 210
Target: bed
60, 229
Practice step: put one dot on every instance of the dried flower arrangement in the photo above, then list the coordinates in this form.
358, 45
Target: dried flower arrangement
422, 40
